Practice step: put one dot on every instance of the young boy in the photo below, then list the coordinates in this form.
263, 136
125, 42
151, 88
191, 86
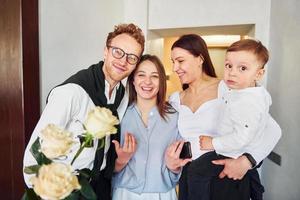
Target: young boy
245, 107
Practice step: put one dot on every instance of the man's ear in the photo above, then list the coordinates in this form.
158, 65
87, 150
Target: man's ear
260, 73
105, 52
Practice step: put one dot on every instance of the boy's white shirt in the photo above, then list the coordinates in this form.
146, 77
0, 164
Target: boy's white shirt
243, 123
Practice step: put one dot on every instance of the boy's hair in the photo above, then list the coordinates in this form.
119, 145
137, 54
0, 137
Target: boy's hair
130, 29
254, 46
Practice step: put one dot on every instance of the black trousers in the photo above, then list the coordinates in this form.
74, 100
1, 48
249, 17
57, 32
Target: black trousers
102, 186
256, 188
200, 181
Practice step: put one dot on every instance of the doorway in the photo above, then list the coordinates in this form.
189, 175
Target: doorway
218, 38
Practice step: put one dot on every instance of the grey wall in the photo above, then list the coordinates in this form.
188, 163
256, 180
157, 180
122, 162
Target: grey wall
72, 36
283, 182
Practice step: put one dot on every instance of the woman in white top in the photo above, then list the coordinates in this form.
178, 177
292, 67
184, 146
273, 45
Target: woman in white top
198, 106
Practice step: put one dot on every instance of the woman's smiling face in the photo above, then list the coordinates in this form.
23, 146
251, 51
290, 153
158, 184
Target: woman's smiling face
187, 66
146, 80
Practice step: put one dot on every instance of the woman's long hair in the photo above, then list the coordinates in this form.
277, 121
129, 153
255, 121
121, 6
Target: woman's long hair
195, 45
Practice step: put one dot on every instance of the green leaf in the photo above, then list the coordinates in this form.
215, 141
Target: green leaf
78, 152
102, 143
90, 143
73, 196
33, 169
30, 195
87, 139
86, 190
85, 173
39, 156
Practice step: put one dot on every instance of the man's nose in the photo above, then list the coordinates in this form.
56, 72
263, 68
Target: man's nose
123, 60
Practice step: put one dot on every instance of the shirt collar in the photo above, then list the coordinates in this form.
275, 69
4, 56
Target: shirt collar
153, 110
123, 82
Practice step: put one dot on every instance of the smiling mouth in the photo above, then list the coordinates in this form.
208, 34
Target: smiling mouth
147, 89
180, 74
119, 68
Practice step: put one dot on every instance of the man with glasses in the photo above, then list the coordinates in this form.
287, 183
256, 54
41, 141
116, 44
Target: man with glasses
119, 53
101, 84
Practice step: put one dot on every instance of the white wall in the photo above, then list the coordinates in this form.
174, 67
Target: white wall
136, 11
199, 13
72, 36
283, 182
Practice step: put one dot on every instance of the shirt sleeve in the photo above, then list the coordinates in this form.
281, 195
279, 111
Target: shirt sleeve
271, 136
169, 177
246, 119
59, 109
174, 100
174, 177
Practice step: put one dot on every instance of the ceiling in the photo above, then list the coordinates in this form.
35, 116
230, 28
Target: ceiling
243, 29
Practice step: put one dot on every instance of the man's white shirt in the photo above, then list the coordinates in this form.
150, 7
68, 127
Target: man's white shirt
67, 107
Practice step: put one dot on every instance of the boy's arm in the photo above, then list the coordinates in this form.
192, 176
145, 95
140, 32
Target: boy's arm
271, 136
246, 118
237, 168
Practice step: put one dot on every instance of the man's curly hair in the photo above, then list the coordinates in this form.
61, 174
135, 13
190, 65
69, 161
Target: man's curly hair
130, 29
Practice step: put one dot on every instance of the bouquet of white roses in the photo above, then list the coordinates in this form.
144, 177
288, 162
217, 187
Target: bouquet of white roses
56, 180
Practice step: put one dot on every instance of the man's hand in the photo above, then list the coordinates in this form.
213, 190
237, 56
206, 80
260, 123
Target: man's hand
206, 143
234, 168
125, 152
173, 162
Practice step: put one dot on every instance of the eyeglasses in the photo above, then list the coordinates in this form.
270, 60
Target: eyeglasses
120, 53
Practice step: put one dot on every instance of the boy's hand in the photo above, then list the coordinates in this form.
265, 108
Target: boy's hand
205, 143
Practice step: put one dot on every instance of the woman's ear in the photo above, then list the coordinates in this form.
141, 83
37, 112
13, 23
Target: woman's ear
201, 59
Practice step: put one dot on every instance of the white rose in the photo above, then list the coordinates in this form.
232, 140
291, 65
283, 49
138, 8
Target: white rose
54, 181
101, 122
55, 142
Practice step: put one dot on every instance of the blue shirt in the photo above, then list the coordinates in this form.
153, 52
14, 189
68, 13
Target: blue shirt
146, 172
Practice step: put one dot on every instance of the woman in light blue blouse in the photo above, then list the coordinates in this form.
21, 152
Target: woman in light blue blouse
148, 127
